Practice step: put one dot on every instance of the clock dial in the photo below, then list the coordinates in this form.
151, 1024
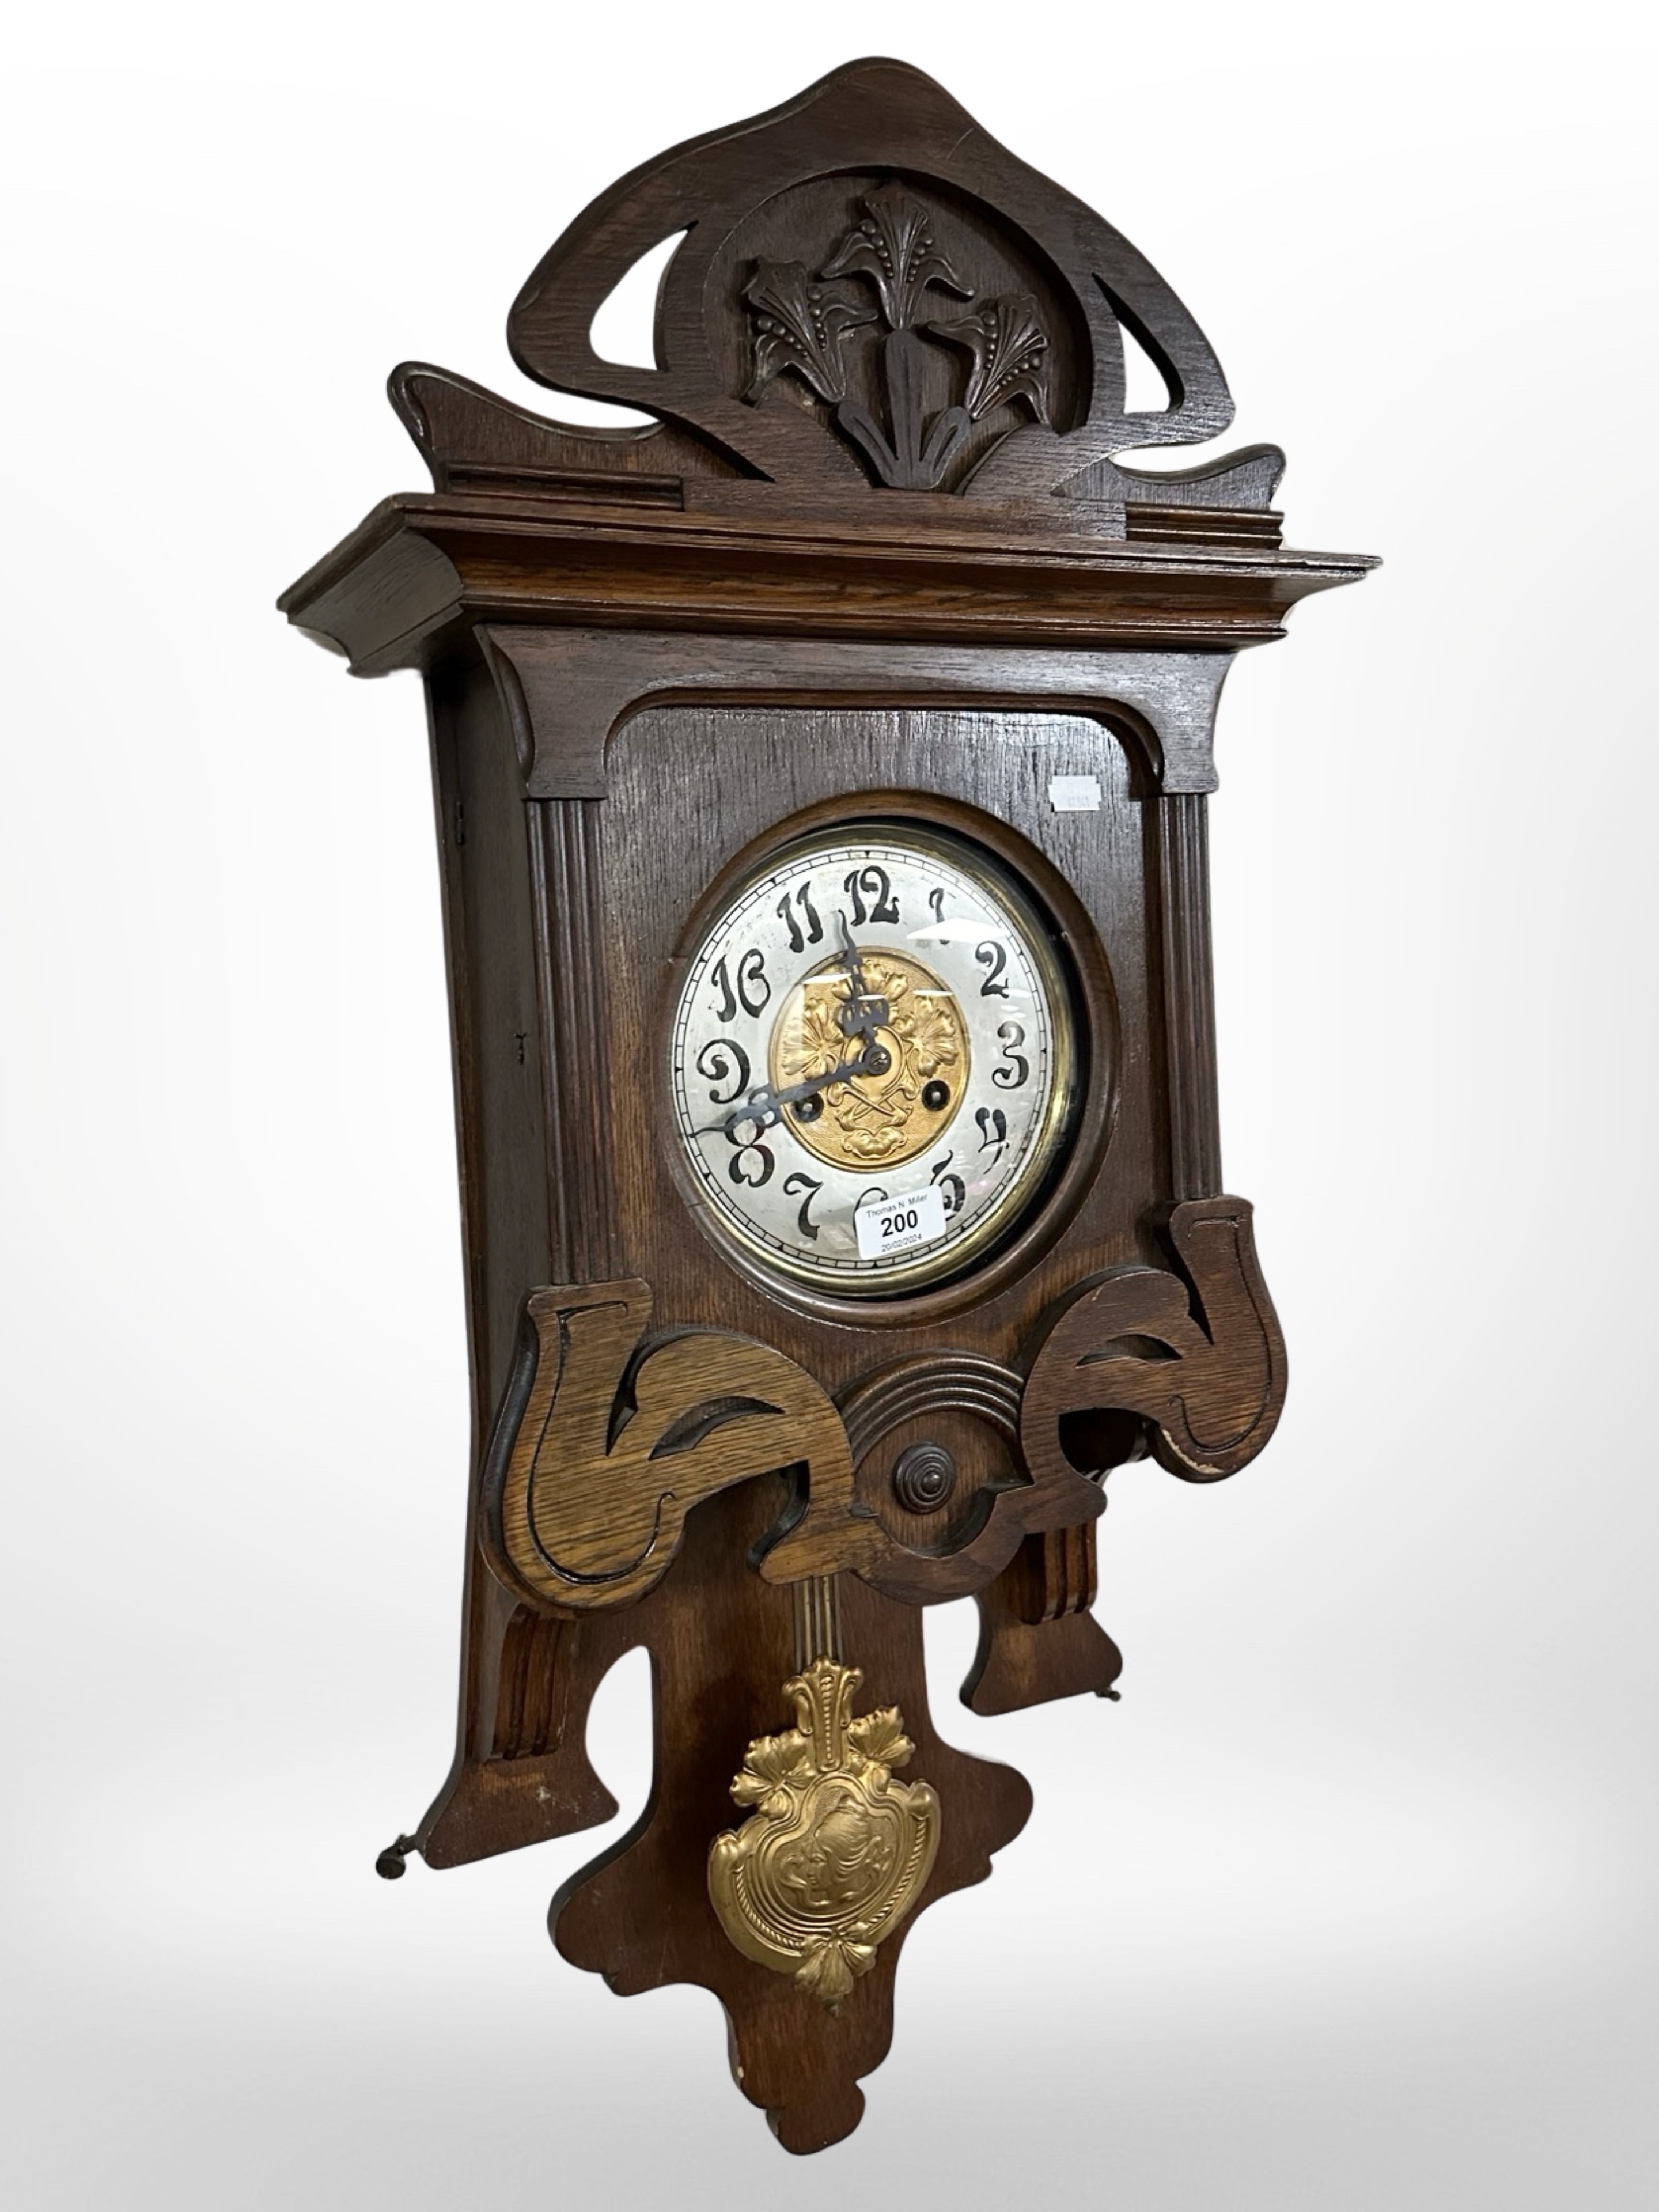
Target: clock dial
873, 1058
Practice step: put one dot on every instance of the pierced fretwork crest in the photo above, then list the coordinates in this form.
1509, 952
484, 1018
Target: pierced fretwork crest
949, 319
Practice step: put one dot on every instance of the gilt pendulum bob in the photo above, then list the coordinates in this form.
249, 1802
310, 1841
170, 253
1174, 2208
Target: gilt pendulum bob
821, 779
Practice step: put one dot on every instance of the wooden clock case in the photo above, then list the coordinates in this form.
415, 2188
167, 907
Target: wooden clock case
873, 560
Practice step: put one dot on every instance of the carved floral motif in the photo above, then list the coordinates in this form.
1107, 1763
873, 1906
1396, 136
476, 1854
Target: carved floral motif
1010, 350
801, 325
894, 246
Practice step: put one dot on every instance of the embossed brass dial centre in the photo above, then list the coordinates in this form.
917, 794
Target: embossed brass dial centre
888, 1115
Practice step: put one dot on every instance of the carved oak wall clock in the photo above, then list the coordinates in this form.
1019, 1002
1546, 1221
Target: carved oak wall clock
821, 782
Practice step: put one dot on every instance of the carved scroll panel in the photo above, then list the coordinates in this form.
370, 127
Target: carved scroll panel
609, 1435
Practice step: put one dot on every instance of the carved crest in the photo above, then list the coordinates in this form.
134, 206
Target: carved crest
835, 1851
951, 319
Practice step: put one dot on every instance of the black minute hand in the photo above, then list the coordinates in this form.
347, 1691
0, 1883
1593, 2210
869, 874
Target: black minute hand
864, 1012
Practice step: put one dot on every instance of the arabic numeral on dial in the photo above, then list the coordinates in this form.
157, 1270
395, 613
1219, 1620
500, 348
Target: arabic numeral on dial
994, 958
993, 1131
785, 910
936, 900
752, 989
954, 1191
723, 1059
1010, 1076
795, 1183
877, 884
751, 1161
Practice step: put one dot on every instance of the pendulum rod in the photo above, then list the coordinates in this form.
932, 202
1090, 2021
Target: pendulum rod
818, 1620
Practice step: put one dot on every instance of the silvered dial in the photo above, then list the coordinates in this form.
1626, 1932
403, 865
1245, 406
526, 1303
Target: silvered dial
872, 1059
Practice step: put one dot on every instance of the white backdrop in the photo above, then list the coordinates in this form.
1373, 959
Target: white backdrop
1349, 1902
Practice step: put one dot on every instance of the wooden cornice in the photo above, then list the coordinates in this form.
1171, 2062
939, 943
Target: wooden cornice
421, 564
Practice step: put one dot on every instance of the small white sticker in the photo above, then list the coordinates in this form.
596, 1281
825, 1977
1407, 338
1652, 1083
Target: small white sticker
1074, 794
894, 1224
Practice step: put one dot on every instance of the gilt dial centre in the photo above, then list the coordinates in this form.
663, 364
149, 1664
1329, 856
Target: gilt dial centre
893, 1109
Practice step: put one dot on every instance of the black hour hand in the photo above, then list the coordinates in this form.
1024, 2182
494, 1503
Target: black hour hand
764, 1107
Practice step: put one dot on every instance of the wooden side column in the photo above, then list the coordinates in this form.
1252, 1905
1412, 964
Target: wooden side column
1188, 992
522, 885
